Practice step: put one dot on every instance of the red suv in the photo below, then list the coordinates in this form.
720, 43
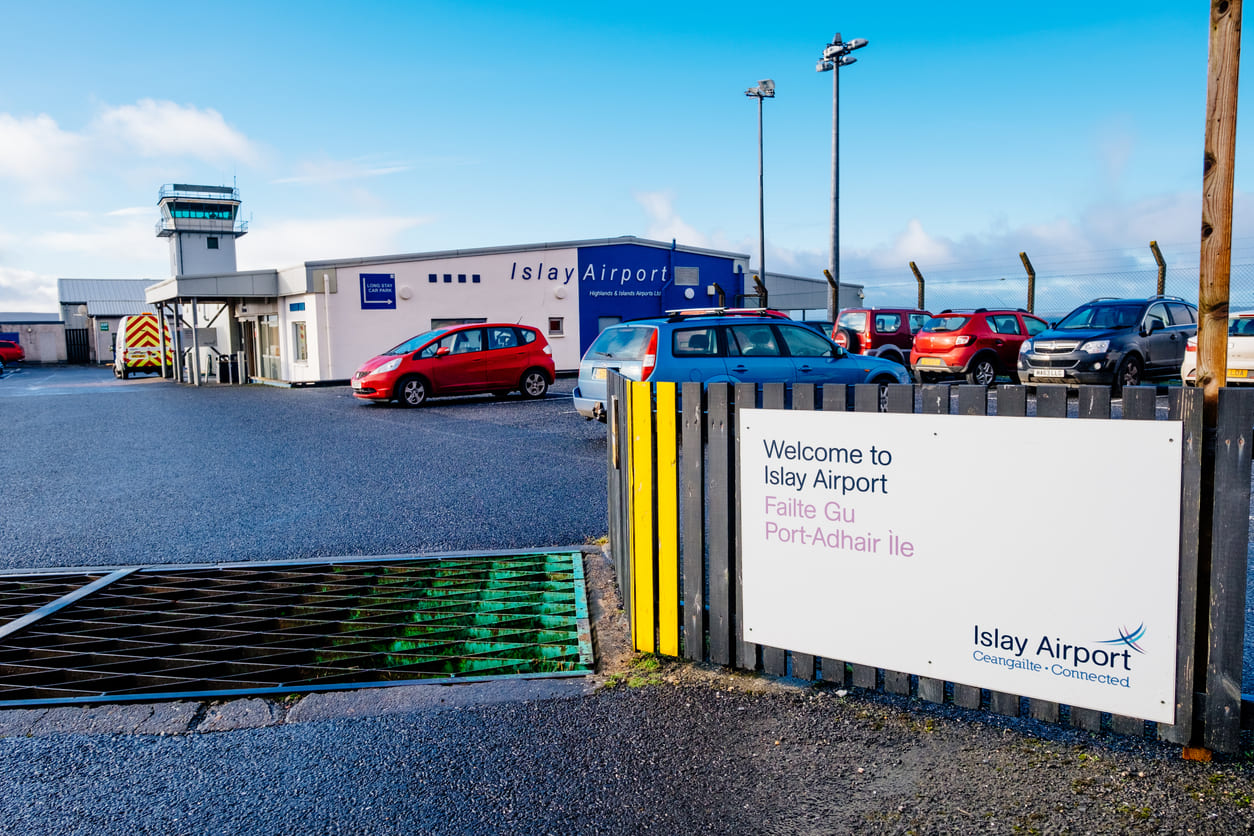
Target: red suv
460, 360
881, 332
979, 344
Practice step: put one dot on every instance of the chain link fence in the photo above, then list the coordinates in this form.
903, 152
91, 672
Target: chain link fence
1055, 293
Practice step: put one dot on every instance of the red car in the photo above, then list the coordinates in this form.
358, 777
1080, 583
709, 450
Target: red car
10, 352
879, 332
979, 344
459, 360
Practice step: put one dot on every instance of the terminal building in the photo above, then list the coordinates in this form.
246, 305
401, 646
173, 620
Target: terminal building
318, 321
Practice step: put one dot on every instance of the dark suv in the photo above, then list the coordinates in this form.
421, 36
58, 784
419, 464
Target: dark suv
1112, 342
879, 332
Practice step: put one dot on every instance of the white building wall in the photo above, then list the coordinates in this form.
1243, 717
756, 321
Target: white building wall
196, 257
526, 287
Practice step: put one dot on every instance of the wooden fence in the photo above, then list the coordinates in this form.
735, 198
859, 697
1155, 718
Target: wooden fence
674, 532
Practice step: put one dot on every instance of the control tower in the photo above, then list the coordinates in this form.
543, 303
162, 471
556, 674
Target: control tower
202, 223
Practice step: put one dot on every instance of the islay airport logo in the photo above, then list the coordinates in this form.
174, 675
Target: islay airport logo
1099, 662
1129, 638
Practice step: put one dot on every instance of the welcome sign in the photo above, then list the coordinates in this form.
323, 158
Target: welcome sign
1037, 557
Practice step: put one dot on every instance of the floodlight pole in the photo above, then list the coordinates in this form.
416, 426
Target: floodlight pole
764, 90
836, 55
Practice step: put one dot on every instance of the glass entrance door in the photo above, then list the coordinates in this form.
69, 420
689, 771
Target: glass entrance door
268, 347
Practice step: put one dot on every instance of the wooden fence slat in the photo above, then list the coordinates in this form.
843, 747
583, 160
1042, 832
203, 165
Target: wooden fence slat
835, 399
972, 400
746, 397
1140, 403
900, 400
933, 400
1051, 401
774, 659
619, 547
692, 526
667, 521
720, 555
803, 399
1229, 534
866, 398
643, 605
1185, 405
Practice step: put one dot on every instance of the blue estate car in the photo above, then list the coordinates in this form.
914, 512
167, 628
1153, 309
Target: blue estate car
715, 347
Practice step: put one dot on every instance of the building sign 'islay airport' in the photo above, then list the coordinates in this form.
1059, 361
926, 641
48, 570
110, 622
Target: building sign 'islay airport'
975, 549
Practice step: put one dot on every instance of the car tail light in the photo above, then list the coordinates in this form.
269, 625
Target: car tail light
548, 349
1191, 345
962, 339
649, 360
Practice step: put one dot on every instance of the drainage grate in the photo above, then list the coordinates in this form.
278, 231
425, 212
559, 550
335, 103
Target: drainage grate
165, 631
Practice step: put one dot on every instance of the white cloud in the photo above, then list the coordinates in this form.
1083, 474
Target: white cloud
26, 290
165, 129
292, 242
37, 153
330, 171
664, 223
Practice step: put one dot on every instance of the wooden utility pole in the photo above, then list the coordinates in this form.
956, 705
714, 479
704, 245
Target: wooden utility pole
1162, 267
1217, 182
1027, 265
919, 277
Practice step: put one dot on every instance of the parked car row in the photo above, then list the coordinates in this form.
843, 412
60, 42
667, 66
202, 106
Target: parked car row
1112, 342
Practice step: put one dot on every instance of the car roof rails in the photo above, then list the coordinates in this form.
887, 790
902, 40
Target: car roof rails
678, 314
1168, 298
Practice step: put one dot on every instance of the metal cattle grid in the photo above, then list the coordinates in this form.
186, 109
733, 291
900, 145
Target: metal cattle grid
112, 635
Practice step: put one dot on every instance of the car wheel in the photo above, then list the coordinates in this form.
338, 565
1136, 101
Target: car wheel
534, 384
848, 339
125, 373
1129, 374
411, 392
982, 372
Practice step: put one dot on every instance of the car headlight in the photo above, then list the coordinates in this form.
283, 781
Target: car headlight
389, 366
1026, 347
1095, 346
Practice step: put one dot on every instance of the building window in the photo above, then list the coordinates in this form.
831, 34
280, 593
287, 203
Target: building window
451, 322
432, 278
555, 326
300, 349
448, 278
474, 278
213, 242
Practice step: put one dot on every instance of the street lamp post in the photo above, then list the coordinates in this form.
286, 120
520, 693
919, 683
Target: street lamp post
836, 55
764, 90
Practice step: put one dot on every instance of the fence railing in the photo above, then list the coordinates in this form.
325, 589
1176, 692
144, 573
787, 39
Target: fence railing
674, 530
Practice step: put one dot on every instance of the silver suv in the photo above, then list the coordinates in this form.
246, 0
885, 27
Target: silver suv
1112, 342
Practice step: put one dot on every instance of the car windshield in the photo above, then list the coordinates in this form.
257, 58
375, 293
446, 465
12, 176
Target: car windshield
941, 324
624, 342
1101, 316
415, 343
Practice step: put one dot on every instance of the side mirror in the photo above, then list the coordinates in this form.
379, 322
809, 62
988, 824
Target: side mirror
443, 350
1152, 326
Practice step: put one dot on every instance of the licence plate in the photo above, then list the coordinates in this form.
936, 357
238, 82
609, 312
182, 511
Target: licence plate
1238, 372
1049, 373
356, 384
598, 373
930, 361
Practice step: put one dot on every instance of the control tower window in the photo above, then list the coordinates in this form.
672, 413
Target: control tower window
213, 242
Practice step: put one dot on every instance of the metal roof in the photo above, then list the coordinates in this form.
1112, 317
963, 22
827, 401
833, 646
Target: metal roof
109, 307
87, 291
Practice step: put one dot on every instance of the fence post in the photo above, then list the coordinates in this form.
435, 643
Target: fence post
720, 497
746, 397
693, 526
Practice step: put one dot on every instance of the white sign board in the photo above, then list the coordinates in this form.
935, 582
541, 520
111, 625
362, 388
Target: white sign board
1033, 556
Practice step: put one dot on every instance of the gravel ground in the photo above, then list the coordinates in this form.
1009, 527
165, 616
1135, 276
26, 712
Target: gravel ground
704, 753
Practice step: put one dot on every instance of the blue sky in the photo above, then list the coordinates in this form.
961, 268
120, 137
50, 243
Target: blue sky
969, 132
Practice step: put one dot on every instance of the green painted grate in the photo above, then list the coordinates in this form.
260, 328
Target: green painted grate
165, 631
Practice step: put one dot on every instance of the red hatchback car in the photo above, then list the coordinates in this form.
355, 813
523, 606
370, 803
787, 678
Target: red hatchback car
10, 353
979, 344
459, 360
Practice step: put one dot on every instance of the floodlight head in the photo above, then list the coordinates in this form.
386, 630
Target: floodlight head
857, 43
767, 86
824, 66
833, 51
847, 59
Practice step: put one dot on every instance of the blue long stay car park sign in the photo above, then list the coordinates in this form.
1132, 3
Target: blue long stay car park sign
378, 291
